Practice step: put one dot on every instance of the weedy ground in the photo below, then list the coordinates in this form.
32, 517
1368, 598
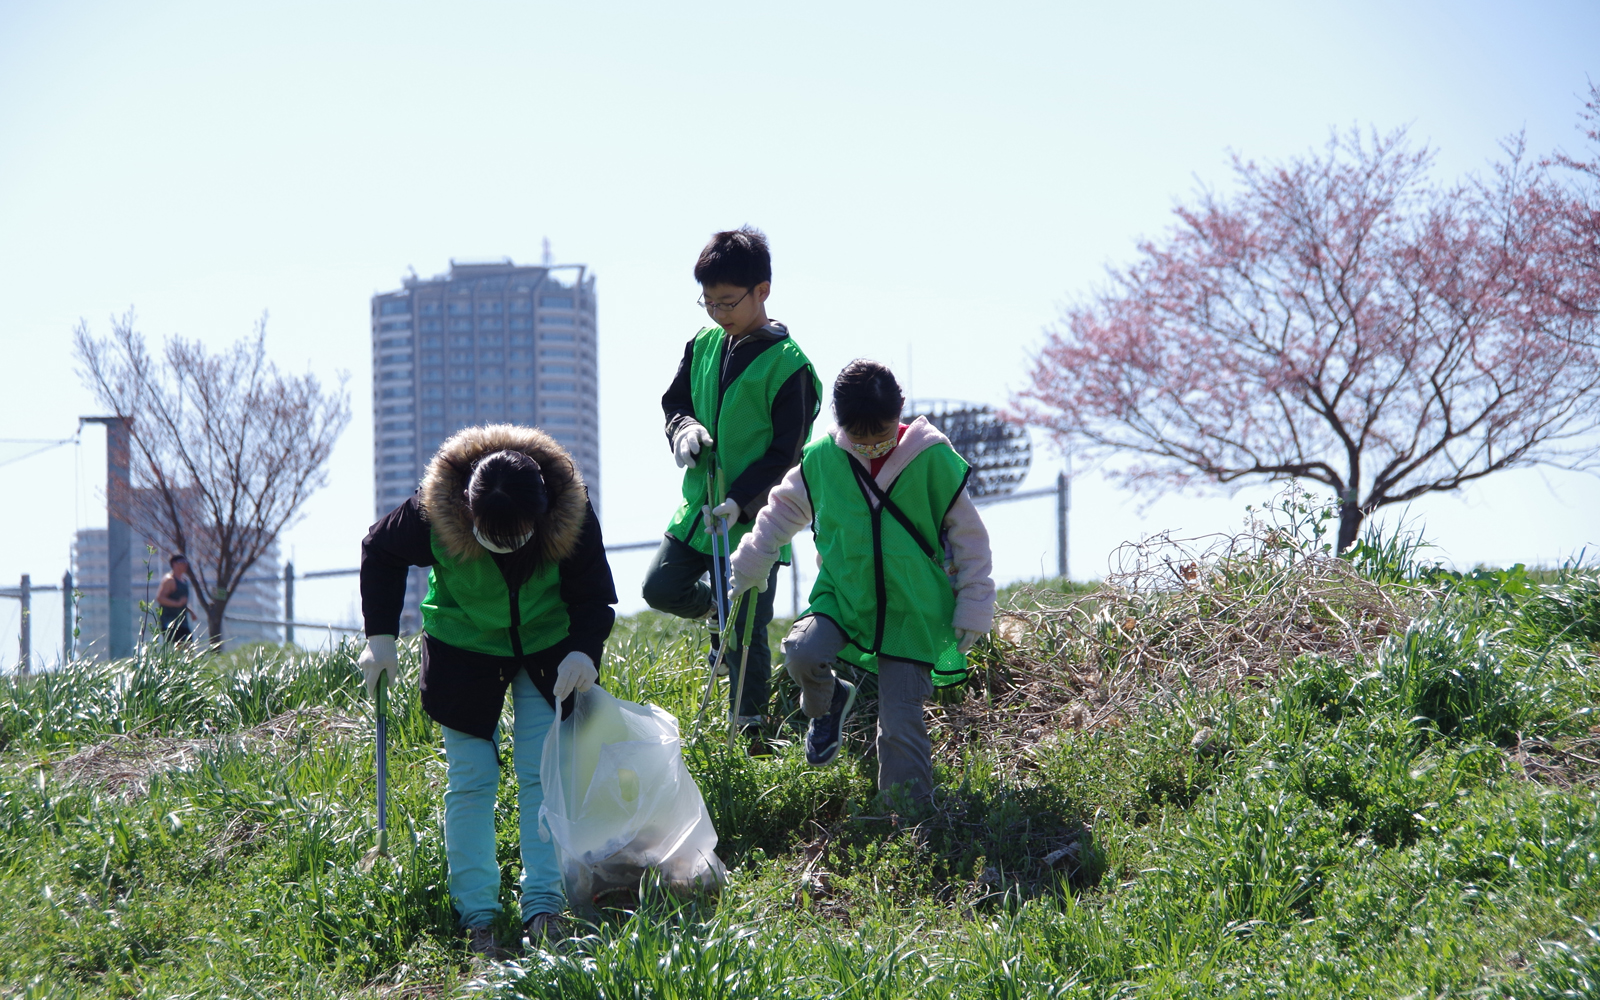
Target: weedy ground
1239, 767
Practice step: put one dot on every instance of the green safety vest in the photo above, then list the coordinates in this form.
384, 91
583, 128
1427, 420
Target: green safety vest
883, 581
740, 422
470, 606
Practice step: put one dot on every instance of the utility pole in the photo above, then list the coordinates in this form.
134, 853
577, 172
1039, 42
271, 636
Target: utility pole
66, 617
119, 574
288, 603
25, 640
1063, 504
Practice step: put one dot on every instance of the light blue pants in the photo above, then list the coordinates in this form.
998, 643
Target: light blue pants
472, 778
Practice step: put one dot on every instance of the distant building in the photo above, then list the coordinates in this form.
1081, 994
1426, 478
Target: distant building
259, 596
485, 343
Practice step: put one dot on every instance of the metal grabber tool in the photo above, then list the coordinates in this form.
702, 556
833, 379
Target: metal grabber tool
717, 529
382, 848
744, 660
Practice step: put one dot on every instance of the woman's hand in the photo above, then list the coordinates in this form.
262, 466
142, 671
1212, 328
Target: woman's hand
576, 673
378, 658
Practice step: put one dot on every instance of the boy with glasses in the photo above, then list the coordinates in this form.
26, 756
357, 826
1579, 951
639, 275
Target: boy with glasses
904, 588
738, 413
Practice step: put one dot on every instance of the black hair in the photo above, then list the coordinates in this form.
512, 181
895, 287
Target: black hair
866, 398
176, 557
506, 496
737, 257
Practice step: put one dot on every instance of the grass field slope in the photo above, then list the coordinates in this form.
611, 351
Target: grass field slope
1239, 767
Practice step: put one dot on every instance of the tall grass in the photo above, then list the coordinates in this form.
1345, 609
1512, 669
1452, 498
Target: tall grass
1416, 820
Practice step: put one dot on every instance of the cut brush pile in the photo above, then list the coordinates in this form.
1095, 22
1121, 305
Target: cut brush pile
1178, 614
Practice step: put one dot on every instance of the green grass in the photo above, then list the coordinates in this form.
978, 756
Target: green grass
1421, 821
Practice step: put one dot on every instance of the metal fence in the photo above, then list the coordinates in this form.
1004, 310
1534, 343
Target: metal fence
68, 589
26, 589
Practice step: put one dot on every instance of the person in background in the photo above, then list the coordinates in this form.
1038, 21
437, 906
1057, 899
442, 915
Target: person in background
889, 501
738, 411
172, 597
519, 595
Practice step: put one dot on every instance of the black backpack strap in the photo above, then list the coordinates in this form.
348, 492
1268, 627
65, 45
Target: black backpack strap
870, 484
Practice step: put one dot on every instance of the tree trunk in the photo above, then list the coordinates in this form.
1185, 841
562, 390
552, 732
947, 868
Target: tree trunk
1350, 518
214, 621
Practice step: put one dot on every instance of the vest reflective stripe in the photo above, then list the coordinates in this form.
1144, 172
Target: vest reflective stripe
877, 582
469, 606
740, 420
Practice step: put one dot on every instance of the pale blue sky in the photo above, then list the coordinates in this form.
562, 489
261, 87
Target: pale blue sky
935, 179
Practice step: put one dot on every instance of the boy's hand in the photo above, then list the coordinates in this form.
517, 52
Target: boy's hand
965, 637
741, 583
727, 508
686, 444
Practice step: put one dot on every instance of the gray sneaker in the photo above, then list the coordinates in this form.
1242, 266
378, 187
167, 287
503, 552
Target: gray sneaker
480, 941
544, 930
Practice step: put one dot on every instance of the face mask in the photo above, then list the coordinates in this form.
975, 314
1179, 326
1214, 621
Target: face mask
872, 451
492, 547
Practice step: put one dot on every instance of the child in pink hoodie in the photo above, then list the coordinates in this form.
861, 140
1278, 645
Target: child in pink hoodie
904, 585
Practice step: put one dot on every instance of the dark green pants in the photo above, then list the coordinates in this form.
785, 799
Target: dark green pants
678, 583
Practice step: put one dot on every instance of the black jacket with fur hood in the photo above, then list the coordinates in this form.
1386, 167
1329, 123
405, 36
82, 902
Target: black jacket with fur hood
461, 688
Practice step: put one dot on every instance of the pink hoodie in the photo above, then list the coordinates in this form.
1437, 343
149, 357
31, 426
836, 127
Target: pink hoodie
788, 511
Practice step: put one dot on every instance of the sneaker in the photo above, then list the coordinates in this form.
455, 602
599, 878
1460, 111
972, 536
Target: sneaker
544, 930
825, 733
481, 942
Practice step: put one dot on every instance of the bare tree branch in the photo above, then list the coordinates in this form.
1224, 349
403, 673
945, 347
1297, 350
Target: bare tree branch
226, 448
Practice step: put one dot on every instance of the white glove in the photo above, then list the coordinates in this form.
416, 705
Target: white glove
742, 582
379, 657
686, 444
965, 637
576, 673
727, 508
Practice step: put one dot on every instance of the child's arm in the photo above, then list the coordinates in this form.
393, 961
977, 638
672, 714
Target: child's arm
677, 403
969, 547
788, 510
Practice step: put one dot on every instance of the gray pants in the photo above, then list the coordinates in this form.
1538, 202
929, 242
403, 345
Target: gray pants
905, 755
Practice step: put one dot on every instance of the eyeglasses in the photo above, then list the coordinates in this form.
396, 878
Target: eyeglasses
721, 307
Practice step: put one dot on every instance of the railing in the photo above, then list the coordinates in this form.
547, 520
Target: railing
1062, 491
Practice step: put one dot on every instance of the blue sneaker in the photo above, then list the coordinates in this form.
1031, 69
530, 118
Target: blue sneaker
825, 734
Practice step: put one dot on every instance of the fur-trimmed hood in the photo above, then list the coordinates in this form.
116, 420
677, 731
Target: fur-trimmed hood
443, 495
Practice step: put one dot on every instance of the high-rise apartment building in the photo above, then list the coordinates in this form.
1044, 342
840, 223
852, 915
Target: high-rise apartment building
485, 343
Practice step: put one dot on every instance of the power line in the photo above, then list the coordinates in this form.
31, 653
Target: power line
38, 451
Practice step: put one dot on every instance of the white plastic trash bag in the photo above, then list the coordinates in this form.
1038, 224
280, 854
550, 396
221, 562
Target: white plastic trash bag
618, 800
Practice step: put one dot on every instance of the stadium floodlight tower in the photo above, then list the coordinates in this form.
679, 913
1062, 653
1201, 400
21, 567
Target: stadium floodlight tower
999, 451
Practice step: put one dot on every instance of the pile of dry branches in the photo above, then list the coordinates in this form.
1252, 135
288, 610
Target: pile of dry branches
1220, 611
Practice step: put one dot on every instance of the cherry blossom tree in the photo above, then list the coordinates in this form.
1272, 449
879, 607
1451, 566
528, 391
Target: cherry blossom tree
1340, 318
